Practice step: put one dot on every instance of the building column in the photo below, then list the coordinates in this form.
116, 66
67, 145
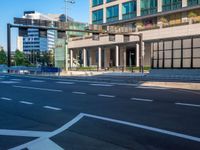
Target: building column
71, 58
107, 57
120, 11
99, 57
159, 5
184, 3
124, 55
137, 55
84, 57
117, 56
138, 8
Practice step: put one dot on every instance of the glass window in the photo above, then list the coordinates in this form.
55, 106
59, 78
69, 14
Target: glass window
193, 2
97, 16
97, 2
129, 10
112, 13
171, 5
148, 7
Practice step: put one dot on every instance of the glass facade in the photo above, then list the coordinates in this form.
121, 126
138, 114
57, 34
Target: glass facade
97, 2
129, 10
193, 2
148, 7
97, 16
108, 1
171, 5
112, 13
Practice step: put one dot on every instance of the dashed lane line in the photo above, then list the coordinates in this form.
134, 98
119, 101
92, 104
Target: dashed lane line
68, 83
25, 102
108, 96
141, 99
102, 85
6, 99
9, 82
80, 93
186, 104
38, 81
16, 79
151, 87
52, 108
36, 88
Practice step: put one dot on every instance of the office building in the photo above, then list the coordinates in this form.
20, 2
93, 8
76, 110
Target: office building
170, 30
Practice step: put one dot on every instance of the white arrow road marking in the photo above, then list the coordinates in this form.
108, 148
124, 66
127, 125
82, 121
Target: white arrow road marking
45, 145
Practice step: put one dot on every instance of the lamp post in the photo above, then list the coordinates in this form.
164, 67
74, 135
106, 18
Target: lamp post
66, 6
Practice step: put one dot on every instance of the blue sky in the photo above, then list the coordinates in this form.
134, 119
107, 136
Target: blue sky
15, 8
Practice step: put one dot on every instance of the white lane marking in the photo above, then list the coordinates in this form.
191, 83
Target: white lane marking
16, 79
23, 133
6, 99
142, 99
35, 88
186, 104
9, 82
104, 85
2, 76
65, 83
25, 102
152, 87
45, 144
53, 108
38, 81
180, 135
63, 128
81, 115
80, 93
108, 96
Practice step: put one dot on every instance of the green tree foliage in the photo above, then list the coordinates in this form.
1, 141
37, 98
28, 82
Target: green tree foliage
20, 59
3, 57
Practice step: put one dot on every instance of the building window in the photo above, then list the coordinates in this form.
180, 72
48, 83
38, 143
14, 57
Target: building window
148, 7
112, 13
97, 2
97, 17
129, 10
108, 1
193, 2
171, 5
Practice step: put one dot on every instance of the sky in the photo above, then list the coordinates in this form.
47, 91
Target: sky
15, 8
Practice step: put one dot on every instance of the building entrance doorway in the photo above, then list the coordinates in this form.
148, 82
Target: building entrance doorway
131, 57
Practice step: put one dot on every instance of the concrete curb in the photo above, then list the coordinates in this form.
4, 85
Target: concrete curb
179, 85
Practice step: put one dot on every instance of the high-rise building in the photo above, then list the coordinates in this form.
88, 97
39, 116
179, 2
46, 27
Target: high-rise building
36, 40
169, 27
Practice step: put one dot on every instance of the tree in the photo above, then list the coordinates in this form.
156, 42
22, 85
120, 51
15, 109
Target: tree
19, 58
3, 57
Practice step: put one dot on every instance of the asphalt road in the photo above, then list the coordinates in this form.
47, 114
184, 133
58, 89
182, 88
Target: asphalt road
45, 114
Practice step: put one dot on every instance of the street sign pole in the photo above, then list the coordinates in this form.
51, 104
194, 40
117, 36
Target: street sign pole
9, 45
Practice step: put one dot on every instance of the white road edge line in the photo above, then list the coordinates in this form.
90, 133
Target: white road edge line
81, 93
37, 81
186, 104
141, 99
180, 135
53, 108
6, 99
25, 102
35, 88
108, 96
